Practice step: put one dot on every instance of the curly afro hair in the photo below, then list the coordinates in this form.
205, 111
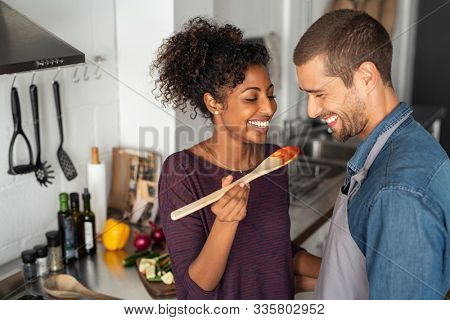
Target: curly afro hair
203, 57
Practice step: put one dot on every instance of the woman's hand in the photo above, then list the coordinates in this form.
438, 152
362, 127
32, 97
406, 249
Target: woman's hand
208, 268
232, 207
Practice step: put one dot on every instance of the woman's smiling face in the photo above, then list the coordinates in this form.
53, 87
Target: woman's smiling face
249, 107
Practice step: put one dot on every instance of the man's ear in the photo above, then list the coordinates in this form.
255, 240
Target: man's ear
211, 103
368, 75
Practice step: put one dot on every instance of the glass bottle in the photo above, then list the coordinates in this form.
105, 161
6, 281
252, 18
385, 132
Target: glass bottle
29, 265
55, 256
77, 216
66, 228
89, 224
41, 260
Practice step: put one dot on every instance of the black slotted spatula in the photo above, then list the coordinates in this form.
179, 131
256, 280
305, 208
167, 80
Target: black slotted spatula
42, 170
66, 164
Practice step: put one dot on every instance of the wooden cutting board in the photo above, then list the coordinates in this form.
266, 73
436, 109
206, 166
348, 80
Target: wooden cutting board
157, 290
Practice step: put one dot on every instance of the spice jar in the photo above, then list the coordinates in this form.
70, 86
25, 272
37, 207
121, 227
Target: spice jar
41, 260
55, 257
29, 265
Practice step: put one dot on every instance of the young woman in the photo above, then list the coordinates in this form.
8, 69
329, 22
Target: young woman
239, 247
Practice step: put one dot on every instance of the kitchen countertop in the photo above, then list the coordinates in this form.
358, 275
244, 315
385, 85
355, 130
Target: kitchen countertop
102, 272
314, 207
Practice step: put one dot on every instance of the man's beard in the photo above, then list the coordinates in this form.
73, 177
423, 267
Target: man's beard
353, 117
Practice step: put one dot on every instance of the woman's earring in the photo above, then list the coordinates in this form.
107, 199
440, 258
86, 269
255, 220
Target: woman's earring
216, 112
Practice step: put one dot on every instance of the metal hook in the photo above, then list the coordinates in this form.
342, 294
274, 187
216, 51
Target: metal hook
97, 73
32, 78
14, 80
98, 60
75, 79
57, 73
85, 76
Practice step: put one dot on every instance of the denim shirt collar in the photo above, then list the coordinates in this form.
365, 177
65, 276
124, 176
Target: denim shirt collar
359, 158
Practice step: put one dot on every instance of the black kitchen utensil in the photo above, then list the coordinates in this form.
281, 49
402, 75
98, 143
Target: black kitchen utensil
42, 171
66, 164
17, 119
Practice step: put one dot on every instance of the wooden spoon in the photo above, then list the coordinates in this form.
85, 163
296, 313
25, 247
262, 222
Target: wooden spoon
276, 160
64, 286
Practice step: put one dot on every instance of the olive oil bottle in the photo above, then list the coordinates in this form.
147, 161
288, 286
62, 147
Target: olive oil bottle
88, 224
80, 248
66, 229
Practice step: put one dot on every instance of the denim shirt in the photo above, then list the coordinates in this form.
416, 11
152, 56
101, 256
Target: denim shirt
400, 217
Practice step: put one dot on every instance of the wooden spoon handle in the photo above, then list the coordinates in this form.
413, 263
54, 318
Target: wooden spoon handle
65, 286
211, 198
94, 295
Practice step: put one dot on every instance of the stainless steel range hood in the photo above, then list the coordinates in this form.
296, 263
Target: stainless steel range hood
25, 46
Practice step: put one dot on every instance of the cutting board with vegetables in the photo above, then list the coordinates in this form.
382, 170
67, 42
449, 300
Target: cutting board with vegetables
155, 287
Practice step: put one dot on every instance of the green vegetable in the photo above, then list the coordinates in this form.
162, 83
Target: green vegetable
162, 257
157, 268
131, 260
154, 279
167, 268
164, 261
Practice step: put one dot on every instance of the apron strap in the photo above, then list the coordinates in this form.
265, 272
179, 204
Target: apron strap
357, 180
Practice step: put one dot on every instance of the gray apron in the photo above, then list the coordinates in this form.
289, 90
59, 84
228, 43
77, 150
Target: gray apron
343, 271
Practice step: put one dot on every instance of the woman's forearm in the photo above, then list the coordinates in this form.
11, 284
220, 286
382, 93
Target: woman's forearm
208, 268
306, 264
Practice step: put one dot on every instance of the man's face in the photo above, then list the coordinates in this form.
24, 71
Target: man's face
328, 98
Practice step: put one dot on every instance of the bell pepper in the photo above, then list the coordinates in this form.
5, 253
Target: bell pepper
113, 260
115, 234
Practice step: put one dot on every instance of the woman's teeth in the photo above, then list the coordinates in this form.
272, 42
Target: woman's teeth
259, 124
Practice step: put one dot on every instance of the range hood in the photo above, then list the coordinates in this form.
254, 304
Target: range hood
25, 46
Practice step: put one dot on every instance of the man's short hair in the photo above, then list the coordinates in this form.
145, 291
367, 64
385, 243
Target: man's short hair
347, 38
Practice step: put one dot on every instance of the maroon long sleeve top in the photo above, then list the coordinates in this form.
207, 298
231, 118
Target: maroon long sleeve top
260, 261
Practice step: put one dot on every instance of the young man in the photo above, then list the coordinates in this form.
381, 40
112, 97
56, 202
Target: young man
389, 237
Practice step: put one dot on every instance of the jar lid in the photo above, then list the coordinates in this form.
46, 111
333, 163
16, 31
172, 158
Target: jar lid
53, 238
41, 250
28, 256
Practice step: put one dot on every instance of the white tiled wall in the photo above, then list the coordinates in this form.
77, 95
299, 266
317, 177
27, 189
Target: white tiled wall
90, 117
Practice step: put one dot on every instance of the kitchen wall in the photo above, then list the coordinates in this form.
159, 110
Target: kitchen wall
119, 109
191, 131
90, 117
258, 19
144, 123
